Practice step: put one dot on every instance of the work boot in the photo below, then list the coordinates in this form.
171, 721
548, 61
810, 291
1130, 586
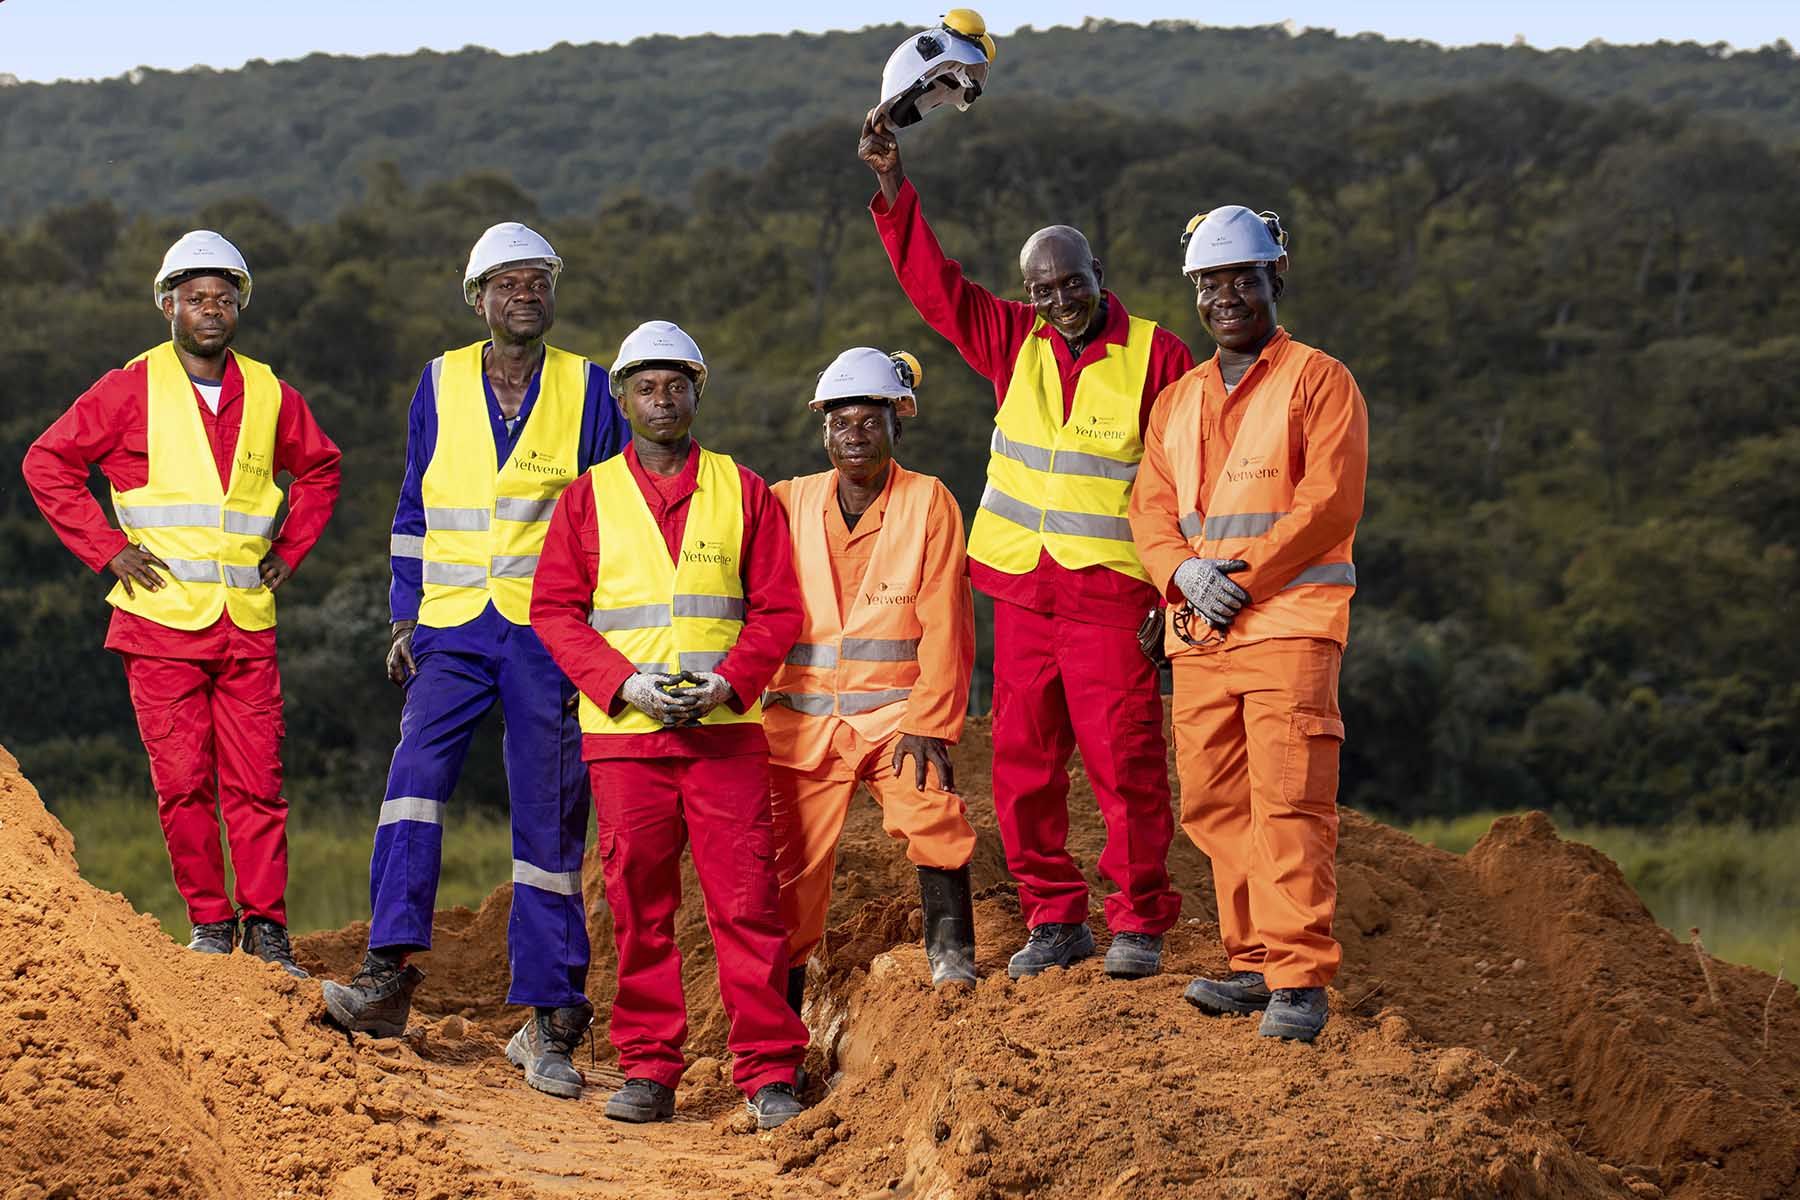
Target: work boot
1239, 994
214, 937
1134, 955
641, 1100
1051, 944
774, 1104
949, 924
268, 940
796, 988
1295, 1014
543, 1046
378, 999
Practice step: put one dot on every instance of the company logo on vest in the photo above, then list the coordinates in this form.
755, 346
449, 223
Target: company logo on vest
253, 462
1101, 428
1247, 469
886, 594
704, 551
537, 462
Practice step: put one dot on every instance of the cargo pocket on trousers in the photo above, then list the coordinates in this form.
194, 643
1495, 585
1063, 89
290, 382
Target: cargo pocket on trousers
606, 844
1309, 770
758, 885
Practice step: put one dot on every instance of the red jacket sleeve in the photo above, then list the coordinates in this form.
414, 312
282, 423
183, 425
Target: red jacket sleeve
1170, 359
986, 330
562, 596
774, 613
57, 465
303, 451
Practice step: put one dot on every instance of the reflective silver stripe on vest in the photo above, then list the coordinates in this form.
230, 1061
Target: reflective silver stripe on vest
1079, 462
513, 566
1035, 457
437, 373
1326, 574
511, 508
167, 516
1236, 525
701, 660
653, 668
1191, 525
457, 520
244, 578
412, 808
1116, 529
812, 654
851, 703
729, 608
194, 570
563, 883
881, 649
454, 574
406, 545
1009, 509
633, 616
812, 704
250, 523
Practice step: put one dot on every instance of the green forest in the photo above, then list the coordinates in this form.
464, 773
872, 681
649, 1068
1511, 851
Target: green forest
1565, 281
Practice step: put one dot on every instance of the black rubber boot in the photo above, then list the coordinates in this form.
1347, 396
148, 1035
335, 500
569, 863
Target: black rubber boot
214, 937
379, 998
949, 924
544, 1045
641, 1100
1052, 944
796, 988
268, 941
774, 1104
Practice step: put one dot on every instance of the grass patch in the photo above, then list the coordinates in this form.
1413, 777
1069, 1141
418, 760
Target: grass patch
1738, 885
119, 844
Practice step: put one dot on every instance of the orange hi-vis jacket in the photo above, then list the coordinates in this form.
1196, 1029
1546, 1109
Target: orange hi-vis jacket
1271, 473
887, 647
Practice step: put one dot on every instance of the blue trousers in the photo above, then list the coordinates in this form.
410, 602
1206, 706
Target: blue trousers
547, 786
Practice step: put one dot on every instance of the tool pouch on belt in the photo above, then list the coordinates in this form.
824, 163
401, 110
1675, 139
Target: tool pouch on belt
1150, 637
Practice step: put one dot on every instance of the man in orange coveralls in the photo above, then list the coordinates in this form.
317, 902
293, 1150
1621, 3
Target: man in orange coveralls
1074, 376
191, 435
1245, 508
880, 674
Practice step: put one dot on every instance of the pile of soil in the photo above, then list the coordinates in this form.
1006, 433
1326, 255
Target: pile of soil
1507, 1023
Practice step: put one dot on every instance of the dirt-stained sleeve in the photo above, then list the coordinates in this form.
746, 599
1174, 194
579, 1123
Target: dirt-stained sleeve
946, 610
1155, 505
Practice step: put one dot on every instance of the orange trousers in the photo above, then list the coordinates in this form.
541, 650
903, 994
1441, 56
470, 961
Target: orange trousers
809, 809
1257, 735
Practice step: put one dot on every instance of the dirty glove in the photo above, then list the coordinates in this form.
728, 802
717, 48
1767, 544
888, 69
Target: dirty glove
708, 690
401, 665
654, 695
1203, 581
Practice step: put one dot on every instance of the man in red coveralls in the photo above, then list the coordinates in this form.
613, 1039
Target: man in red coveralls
1075, 376
666, 593
192, 435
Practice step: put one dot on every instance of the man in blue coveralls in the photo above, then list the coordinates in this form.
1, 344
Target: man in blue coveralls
497, 429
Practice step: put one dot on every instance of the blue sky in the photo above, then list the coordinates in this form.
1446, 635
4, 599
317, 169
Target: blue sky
52, 39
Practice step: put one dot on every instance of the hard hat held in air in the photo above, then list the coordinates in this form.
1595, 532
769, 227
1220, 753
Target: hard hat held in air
864, 373
202, 250
508, 244
946, 65
658, 342
1228, 236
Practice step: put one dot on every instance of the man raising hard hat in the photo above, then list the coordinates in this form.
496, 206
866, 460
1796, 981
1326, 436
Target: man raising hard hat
191, 435
876, 689
497, 430
1244, 512
666, 591
1075, 376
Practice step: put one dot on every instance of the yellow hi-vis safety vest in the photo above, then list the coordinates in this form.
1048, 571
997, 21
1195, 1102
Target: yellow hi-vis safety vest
1255, 491
859, 666
664, 616
484, 529
212, 537
1065, 486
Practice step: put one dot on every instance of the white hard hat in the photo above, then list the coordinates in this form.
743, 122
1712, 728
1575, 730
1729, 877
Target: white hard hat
1230, 235
864, 373
202, 250
658, 341
508, 244
946, 65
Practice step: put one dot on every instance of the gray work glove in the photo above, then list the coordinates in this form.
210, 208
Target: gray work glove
708, 690
1203, 581
654, 695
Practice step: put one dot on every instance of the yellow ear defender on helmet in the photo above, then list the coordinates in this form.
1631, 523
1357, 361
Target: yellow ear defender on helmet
911, 373
967, 23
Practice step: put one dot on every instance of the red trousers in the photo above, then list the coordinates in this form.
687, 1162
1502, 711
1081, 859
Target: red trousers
208, 722
1257, 735
1060, 685
647, 809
